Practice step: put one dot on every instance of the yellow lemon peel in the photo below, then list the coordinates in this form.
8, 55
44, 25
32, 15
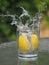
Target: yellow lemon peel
23, 43
35, 41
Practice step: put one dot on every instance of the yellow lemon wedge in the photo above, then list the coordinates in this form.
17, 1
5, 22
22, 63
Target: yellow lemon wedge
35, 41
23, 43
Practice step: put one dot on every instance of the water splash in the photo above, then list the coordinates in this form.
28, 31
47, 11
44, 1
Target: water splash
14, 21
30, 22
24, 13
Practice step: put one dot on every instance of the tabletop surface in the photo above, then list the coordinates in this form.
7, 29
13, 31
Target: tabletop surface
8, 53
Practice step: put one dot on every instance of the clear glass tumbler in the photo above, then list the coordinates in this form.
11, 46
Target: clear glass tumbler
28, 38
28, 42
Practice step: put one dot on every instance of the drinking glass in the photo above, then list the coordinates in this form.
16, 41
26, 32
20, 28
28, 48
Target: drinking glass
28, 41
28, 36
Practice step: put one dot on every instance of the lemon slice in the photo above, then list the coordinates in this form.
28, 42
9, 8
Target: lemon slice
35, 41
23, 43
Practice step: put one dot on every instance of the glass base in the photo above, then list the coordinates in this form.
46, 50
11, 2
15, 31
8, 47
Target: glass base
28, 57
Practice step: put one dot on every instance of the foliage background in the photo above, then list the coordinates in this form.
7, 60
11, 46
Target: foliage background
8, 32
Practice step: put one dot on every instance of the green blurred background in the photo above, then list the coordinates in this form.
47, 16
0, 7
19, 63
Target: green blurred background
8, 32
